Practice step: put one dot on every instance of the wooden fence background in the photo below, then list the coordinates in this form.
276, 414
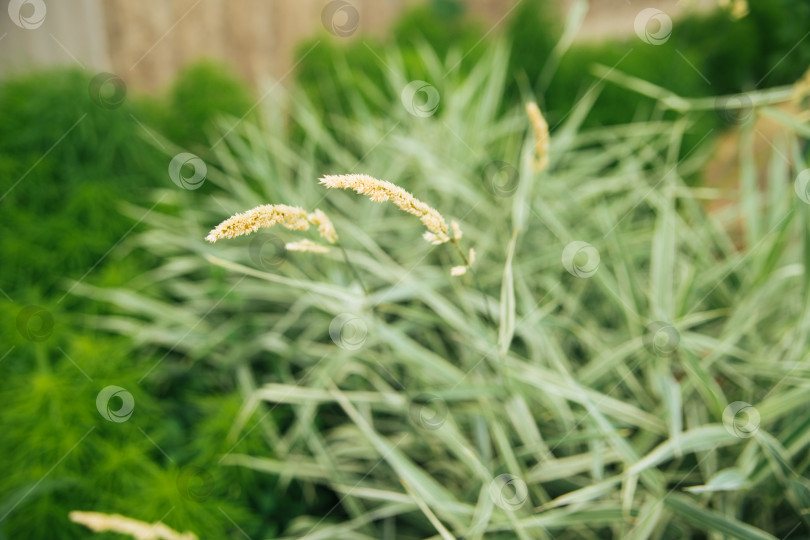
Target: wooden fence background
146, 41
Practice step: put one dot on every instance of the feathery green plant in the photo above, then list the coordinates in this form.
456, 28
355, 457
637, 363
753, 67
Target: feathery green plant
68, 154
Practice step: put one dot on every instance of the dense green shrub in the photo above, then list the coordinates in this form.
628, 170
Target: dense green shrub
60, 454
66, 160
202, 92
71, 151
442, 25
779, 30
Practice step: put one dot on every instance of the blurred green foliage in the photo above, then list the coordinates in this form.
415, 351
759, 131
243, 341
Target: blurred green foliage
65, 173
334, 76
706, 54
73, 146
65, 162
202, 92
442, 25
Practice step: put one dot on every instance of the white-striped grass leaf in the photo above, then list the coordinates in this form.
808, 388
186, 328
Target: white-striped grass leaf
686, 508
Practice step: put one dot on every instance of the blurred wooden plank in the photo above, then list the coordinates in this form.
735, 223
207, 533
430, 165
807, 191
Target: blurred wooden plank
69, 34
148, 41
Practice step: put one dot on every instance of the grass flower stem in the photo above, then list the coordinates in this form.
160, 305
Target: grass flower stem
353, 268
478, 286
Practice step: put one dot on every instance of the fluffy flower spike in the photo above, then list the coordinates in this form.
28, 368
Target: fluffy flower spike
457, 271
325, 227
381, 191
267, 215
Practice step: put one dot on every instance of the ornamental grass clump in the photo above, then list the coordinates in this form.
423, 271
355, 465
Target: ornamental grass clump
626, 369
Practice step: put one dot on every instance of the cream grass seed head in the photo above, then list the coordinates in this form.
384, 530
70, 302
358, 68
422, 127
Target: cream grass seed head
457, 271
457, 234
325, 227
381, 191
267, 215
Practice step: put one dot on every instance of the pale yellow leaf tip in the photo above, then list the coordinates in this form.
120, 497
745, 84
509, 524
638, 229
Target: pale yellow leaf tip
306, 246
737, 8
541, 136
801, 94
